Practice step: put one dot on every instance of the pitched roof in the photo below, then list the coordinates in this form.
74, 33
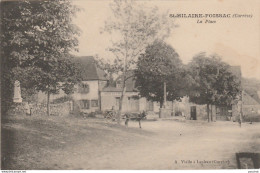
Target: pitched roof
89, 69
249, 100
253, 94
130, 84
236, 70
250, 96
111, 89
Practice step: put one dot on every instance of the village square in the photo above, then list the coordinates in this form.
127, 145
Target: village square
134, 103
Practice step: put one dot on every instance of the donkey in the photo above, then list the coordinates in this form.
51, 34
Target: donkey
135, 116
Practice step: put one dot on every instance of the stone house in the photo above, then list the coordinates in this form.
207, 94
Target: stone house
110, 97
251, 106
219, 113
93, 93
86, 97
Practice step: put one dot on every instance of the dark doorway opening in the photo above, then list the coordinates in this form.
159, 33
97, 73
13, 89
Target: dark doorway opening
193, 113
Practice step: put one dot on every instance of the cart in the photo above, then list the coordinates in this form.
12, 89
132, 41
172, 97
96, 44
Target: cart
110, 115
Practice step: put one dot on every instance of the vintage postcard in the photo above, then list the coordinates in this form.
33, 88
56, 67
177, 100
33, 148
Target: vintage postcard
130, 85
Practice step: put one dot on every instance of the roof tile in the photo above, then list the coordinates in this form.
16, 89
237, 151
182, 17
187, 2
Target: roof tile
89, 69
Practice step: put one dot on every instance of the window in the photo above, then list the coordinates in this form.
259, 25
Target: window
83, 88
94, 103
119, 84
117, 103
84, 104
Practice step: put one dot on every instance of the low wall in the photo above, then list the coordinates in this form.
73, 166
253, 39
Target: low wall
62, 109
17, 109
165, 113
77, 108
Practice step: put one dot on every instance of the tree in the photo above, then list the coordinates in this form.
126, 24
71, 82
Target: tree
111, 70
37, 38
133, 27
159, 65
213, 83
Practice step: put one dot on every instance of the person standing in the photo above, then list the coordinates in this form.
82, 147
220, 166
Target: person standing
28, 109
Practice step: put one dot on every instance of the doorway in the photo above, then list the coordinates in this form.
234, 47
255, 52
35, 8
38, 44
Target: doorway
117, 103
193, 113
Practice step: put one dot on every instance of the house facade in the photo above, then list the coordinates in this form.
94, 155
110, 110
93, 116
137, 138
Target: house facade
219, 113
110, 98
93, 94
86, 97
248, 105
251, 106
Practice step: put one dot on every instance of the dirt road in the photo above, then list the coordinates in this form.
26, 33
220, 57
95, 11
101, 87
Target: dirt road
173, 145
170, 144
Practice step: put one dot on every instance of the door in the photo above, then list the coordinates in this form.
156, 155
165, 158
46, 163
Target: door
134, 105
193, 113
117, 103
149, 105
84, 104
223, 113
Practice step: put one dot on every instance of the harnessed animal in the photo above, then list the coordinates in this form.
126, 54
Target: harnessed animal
134, 116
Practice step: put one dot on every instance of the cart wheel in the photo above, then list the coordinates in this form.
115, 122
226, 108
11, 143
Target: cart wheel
109, 115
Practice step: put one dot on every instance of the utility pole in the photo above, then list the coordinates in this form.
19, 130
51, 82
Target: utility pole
164, 90
162, 110
241, 110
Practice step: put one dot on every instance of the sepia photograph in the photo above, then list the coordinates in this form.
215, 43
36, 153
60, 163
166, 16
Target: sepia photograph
130, 84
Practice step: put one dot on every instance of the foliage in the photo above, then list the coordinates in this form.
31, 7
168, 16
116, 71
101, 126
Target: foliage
213, 81
160, 63
227, 87
62, 99
109, 69
36, 39
132, 27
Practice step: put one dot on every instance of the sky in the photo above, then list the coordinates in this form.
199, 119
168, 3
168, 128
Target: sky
236, 40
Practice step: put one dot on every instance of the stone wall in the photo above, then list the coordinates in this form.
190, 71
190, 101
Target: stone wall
62, 109
17, 109
165, 113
